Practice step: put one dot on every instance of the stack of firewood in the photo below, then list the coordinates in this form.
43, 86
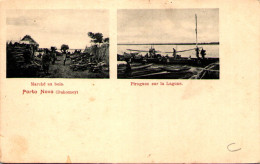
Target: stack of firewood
16, 64
80, 61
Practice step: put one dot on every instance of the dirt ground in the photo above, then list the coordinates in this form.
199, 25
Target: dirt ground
58, 70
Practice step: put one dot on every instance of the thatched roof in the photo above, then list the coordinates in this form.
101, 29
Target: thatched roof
29, 40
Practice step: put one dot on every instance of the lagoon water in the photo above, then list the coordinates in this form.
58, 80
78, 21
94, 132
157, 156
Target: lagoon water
211, 50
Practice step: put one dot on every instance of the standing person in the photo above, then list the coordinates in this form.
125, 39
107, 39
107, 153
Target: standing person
128, 68
64, 57
46, 61
146, 56
174, 52
53, 56
203, 53
197, 52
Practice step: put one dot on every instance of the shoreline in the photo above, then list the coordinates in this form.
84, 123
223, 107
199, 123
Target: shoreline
209, 43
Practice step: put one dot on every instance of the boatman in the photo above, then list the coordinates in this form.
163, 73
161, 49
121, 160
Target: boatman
203, 53
128, 69
174, 53
197, 52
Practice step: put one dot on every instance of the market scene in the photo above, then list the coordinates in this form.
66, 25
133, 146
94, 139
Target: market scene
69, 53
25, 59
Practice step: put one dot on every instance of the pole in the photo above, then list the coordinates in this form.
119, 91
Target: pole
196, 30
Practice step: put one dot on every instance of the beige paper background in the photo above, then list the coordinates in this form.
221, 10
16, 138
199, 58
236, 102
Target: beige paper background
111, 121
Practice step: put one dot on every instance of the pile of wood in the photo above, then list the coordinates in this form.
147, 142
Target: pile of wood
17, 66
94, 58
80, 61
16, 53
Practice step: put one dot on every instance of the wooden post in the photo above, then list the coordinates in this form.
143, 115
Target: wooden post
196, 30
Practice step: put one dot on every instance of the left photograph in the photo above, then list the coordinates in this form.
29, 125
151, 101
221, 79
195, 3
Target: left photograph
57, 44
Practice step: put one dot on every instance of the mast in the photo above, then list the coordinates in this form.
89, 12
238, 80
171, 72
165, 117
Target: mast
196, 30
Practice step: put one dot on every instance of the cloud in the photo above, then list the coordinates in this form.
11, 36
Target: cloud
21, 21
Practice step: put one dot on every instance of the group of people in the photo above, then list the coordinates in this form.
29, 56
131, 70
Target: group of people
46, 56
174, 54
202, 53
50, 57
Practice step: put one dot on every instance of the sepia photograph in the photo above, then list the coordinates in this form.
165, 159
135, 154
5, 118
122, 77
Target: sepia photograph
168, 44
57, 43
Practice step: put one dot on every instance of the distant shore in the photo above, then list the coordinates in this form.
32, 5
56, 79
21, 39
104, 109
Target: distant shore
209, 43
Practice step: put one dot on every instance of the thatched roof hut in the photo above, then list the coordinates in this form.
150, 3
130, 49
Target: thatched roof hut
27, 39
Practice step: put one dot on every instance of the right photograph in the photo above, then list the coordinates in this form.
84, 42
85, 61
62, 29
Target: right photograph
168, 44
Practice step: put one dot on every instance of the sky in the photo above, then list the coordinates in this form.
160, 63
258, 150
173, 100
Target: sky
56, 27
167, 25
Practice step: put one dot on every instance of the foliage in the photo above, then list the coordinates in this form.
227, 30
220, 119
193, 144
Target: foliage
106, 40
96, 37
64, 48
99, 51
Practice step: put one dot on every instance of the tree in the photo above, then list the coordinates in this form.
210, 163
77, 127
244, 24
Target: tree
64, 48
97, 38
91, 34
106, 40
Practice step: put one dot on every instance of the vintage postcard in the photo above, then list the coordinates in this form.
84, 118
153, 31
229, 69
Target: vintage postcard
129, 81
